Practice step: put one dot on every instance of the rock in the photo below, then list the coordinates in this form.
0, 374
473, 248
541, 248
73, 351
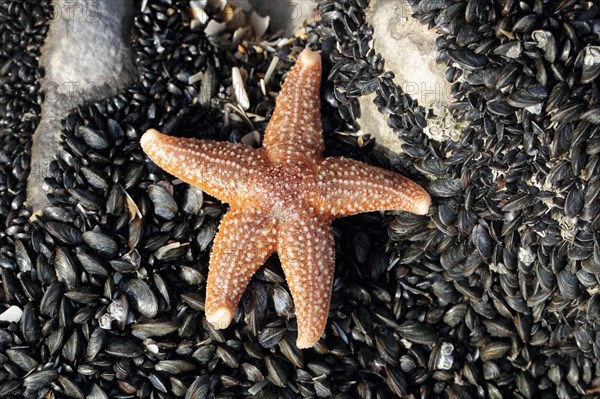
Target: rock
409, 51
87, 56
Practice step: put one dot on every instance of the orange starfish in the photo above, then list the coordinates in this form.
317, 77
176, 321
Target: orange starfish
283, 198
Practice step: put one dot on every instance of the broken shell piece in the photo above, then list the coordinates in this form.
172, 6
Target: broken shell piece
195, 24
239, 35
283, 42
161, 252
195, 78
252, 139
535, 109
263, 88
199, 16
12, 314
259, 24
591, 55
239, 88
214, 28
445, 356
132, 207
590, 69
545, 41
271, 69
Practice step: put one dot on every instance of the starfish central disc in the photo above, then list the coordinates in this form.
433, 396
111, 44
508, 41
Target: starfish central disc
283, 198
287, 188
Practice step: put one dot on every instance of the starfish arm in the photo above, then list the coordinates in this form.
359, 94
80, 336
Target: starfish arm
347, 187
306, 250
221, 169
295, 130
245, 240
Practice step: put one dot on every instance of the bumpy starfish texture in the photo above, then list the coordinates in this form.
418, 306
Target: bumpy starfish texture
283, 198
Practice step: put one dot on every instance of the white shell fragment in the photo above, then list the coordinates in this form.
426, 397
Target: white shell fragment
195, 78
283, 42
545, 42
591, 55
535, 109
446, 357
151, 347
271, 69
239, 89
12, 314
263, 88
198, 12
239, 34
252, 139
214, 28
259, 24
134, 211
162, 251
256, 388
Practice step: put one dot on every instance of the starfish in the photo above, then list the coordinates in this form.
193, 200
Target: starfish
283, 198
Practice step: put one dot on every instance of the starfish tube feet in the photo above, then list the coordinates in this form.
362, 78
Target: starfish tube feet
245, 240
306, 251
221, 169
348, 187
295, 131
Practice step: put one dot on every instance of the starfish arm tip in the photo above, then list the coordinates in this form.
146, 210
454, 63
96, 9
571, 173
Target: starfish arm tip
220, 318
309, 57
305, 343
422, 205
148, 138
